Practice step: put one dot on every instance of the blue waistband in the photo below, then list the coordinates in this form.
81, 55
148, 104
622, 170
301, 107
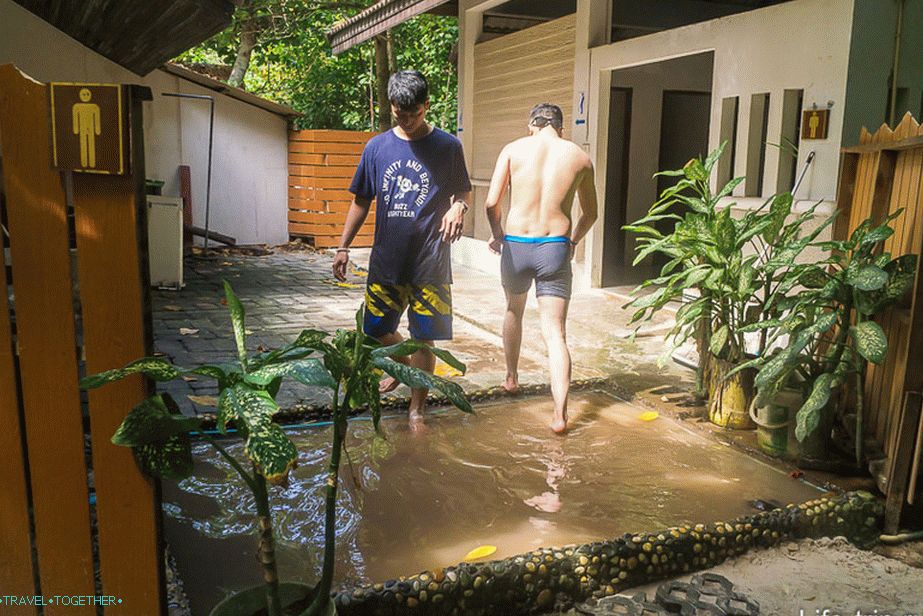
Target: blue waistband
547, 239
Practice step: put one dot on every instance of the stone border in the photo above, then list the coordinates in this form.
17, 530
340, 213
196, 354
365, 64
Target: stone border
550, 578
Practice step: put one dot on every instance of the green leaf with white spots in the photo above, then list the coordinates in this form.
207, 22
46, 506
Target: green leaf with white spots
408, 347
871, 342
309, 372
169, 459
719, 340
811, 412
695, 170
215, 372
150, 421
779, 210
237, 322
272, 452
155, 368
867, 278
420, 379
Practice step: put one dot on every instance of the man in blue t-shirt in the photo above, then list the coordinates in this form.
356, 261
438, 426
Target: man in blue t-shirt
417, 175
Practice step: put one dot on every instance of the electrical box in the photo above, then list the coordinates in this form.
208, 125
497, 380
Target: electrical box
165, 241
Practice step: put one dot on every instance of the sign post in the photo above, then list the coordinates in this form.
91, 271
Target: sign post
88, 124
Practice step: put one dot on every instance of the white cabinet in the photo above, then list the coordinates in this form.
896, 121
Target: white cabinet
165, 241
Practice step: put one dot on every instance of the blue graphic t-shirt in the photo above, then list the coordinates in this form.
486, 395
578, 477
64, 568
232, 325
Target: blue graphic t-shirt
413, 183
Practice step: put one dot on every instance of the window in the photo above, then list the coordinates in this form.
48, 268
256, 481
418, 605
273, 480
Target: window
792, 102
756, 144
728, 134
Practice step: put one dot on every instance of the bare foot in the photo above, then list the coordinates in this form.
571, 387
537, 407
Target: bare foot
416, 422
511, 385
559, 425
389, 383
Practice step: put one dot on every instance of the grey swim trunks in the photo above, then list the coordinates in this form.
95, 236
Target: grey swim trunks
543, 259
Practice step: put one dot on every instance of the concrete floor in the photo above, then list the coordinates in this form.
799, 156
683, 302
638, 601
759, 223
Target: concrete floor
288, 291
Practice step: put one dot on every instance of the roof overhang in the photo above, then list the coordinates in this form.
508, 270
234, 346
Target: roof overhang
223, 88
137, 34
376, 19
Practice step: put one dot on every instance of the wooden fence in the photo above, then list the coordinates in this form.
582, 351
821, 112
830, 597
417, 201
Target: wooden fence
48, 521
321, 166
881, 175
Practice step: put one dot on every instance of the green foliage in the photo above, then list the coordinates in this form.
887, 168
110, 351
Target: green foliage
293, 64
349, 364
830, 332
727, 273
737, 276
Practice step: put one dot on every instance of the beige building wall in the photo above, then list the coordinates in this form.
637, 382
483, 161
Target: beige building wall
250, 155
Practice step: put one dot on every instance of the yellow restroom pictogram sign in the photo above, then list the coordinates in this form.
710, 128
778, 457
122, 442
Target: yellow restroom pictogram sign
88, 123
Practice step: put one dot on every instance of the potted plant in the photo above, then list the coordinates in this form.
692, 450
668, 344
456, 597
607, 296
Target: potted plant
725, 272
349, 365
824, 333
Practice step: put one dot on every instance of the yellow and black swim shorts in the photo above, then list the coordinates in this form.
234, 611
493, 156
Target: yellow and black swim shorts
429, 310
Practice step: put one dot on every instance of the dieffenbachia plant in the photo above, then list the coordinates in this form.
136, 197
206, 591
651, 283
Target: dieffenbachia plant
348, 363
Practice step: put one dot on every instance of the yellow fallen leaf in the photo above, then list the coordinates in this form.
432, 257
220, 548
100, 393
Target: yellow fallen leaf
173, 308
188, 331
204, 400
349, 285
360, 273
480, 552
445, 370
649, 416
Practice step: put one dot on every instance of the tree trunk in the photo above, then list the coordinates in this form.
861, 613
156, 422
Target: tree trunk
392, 58
249, 37
382, 74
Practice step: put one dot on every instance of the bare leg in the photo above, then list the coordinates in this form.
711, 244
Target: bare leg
512, 338
553, 314
423, 360
389, 383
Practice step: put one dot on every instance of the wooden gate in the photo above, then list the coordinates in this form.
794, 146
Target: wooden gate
66, 533
321, 164
881, 175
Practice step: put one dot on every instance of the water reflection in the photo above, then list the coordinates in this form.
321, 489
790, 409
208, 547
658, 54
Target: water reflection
423, 500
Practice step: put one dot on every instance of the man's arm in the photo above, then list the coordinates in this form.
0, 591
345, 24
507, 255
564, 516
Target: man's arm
358, 211
586, 191
454, 219
498, 183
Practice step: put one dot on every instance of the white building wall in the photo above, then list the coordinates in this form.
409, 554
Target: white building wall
802, 44
250, 158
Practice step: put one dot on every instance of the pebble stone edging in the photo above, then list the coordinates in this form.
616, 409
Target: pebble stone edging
556, 578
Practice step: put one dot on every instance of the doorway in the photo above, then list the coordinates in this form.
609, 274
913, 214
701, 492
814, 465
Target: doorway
659, 117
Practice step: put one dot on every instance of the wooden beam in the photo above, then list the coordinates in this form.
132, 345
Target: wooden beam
375, 20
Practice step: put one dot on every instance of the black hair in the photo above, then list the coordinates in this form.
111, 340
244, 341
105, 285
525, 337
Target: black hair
407, 89
544, 114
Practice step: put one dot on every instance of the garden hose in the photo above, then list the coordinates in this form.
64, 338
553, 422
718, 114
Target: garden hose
901, 537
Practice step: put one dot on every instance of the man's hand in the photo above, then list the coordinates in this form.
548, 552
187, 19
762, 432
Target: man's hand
339, 265
495, 244
452, 222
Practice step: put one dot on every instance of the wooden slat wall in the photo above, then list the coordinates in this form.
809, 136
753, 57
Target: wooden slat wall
321, 167
16, 565
46, 340
512, 74
884, 174
110, 242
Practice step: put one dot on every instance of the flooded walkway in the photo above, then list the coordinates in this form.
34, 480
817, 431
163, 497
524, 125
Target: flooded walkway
288, 291
498, 478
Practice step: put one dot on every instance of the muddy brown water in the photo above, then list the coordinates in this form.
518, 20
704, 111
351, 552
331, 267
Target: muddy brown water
497, 478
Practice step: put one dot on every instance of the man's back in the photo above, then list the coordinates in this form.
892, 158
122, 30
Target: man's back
545, 172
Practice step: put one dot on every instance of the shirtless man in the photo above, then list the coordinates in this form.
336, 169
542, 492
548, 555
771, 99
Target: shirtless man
544, 172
